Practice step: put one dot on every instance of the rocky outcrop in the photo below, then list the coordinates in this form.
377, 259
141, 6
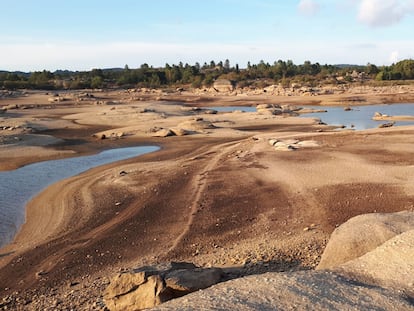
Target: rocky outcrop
149, 286
184, 128
384, 117
307, 290
163, 133
196, 124
223, 85
267, 109
362, 234
291, 144
390, 265
380, 279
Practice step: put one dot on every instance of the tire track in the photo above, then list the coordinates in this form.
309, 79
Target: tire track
200, 182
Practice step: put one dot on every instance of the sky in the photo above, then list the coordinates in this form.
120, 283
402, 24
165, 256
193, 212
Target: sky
87, 34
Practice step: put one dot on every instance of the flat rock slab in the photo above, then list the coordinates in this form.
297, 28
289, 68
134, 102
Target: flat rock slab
309, 290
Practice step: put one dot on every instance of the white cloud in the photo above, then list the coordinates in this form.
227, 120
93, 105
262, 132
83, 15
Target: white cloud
308, 7
377, 13
31, 55
394, 57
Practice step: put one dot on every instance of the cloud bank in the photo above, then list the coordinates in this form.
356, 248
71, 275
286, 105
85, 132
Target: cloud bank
381, 13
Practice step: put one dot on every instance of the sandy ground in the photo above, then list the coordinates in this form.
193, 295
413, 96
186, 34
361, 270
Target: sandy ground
221, 196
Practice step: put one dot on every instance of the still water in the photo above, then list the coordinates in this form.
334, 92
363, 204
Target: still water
17, 187
361, 116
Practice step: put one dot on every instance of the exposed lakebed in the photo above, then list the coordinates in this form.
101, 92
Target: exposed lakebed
18, 186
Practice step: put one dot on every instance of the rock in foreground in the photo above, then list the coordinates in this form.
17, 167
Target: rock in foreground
362, 234
149, 286
390, 265
316, 290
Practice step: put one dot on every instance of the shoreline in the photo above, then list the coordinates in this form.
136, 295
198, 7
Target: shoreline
46, 176
199, 196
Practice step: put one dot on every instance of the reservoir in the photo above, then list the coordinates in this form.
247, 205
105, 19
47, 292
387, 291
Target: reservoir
360, 117
18, 186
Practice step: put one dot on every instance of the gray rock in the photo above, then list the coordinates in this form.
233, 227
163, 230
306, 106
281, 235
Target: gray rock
362, 234
390, 265
307, 290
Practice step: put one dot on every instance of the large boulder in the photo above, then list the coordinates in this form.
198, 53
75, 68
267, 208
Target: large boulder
269, 111
179, 131
184, 281
362, 234
134, 291
195, 125
306, 290
390, 265
163, 133
147, 287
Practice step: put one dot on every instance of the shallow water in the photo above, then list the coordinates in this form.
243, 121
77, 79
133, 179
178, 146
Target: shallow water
360, 117
17, 187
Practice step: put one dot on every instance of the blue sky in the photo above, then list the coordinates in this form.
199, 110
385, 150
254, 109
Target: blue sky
86, 34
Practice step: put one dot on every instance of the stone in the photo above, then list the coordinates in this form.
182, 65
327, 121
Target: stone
163, 133
209, 111
134, 291
362, 234
385, 125
270, 111
198, 124
149, 286
282, 146
272, 142
187, 281
11, 106
304, 290
390, 265
263, 106
179, 131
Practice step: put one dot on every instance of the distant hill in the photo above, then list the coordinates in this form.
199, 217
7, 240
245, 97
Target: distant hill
348, 66
20, 73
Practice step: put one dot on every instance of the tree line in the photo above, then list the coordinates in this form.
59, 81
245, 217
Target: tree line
198, 75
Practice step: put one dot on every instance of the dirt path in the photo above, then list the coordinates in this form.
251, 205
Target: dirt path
200, 182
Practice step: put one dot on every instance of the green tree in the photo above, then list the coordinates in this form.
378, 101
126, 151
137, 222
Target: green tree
97, 82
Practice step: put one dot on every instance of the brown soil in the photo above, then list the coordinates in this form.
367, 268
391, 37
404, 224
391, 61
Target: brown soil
219, 198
